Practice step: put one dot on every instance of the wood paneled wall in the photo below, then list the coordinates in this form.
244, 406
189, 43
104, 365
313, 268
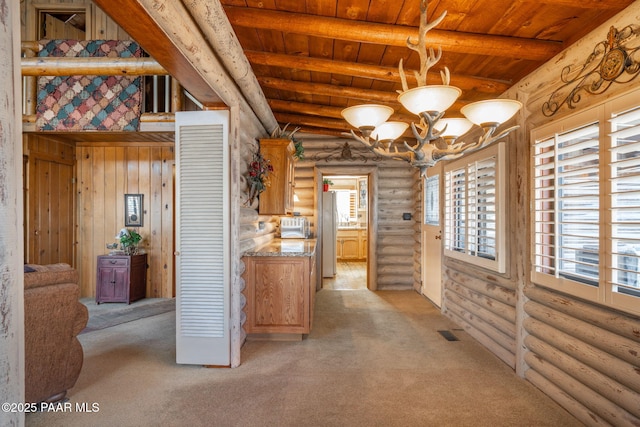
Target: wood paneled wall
105, 173
99, 25
49, 200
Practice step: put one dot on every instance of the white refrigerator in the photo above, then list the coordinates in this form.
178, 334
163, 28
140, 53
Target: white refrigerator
329, 233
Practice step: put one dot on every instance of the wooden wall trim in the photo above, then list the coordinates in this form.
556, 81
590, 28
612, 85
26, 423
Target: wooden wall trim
124, 144
51, 158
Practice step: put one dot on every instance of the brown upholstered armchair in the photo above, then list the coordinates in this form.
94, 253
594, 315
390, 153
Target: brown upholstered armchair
53, 317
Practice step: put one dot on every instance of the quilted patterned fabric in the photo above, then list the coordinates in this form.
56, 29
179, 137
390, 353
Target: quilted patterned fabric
76, 103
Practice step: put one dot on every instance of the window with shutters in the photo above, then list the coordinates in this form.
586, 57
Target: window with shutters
346, 201
586, 200
474, 209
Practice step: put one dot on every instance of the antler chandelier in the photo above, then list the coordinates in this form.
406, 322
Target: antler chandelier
429, 103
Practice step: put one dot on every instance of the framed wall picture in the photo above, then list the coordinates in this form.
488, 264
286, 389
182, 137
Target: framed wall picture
133, 210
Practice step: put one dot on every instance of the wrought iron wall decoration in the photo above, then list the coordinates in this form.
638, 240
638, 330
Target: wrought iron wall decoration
612, 60
345, 153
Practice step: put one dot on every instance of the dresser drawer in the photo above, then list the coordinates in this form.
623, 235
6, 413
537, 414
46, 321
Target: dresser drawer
113, 261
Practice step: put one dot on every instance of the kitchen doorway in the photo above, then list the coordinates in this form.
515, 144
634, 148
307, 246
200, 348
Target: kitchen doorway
346, 235
345, 231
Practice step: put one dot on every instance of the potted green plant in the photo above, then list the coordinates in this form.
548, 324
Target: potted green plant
129, 240
325, 184
298, 154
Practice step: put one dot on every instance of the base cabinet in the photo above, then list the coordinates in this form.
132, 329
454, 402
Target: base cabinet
351, 244
280, 294
121, 278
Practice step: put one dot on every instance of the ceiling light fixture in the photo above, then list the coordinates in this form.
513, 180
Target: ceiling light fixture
429, 103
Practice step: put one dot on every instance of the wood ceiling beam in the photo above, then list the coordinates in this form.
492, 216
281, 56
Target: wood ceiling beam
135, 20
98, 66
376, 72
321, 131
302, 108
322, 89
585, 4
321, 110
317, 122
391, 35
311, 88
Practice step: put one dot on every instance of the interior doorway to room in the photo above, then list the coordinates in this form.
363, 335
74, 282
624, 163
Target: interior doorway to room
345, 232
62, 23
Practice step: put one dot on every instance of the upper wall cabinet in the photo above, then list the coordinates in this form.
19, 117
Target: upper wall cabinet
277, 199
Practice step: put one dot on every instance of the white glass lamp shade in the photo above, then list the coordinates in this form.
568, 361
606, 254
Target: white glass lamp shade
455, 127
429, 98
389, 131
492, 111
367, 116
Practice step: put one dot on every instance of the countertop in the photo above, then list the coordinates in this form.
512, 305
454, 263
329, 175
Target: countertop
285, 247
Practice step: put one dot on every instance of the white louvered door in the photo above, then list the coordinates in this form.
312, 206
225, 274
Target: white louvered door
202, 238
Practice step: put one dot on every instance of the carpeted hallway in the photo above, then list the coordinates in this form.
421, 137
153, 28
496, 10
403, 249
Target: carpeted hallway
372, 359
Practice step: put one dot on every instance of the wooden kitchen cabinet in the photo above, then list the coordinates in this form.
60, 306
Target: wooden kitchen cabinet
280, 292
277, 199
351, 244
364, 244
121, 278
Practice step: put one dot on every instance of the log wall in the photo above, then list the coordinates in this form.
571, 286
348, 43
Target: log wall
583, 355
254, 230
396, 194
12, 360
484, 304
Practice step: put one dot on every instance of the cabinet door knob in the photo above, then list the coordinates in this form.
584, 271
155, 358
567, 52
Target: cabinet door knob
113, 261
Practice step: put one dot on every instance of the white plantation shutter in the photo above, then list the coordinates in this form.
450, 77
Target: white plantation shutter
567, 207
586, 202
625, 203
202, 238
474, 209
455, 210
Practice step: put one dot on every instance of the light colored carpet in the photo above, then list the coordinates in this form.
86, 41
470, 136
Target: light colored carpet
106, 315
372, 359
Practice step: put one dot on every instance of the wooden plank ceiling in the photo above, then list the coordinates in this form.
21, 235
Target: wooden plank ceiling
315, 57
